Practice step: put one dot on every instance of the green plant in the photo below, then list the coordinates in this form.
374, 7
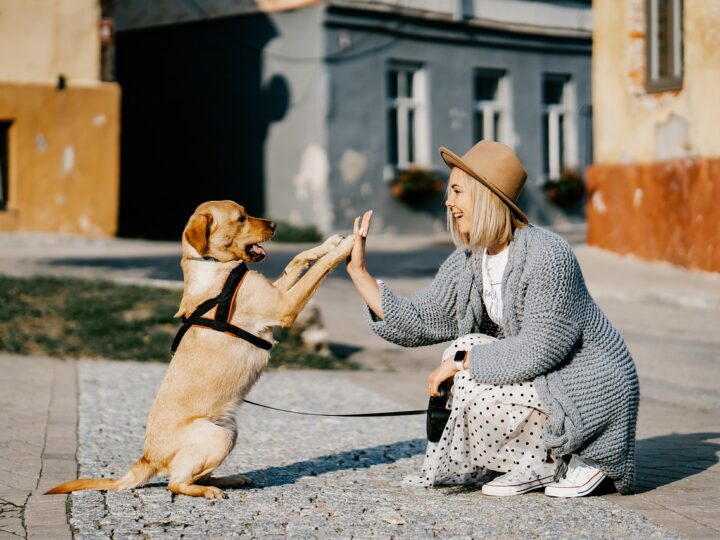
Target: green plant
567, 190
285, 232
416, 185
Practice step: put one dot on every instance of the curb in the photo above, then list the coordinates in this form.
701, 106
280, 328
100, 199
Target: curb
47, 516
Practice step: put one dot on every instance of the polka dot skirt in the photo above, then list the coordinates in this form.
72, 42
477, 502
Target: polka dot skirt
491, 428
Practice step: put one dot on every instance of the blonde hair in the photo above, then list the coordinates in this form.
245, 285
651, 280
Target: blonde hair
492, 221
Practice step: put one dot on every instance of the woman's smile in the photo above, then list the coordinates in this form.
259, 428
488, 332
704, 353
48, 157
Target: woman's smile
459, 202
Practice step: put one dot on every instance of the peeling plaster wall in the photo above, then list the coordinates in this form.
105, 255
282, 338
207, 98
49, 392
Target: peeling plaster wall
634, 126
49, 37
63, 157
658, 211
296, 162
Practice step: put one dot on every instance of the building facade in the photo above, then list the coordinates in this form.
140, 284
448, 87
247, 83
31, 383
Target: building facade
59, 125
655, 184
308, 112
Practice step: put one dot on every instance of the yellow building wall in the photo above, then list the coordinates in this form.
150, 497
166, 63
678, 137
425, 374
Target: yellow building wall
631, 125
63, 158
39, 39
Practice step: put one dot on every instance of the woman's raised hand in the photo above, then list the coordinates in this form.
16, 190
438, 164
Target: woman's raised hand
363, 281
356, 260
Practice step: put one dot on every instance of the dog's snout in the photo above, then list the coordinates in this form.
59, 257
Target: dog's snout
272, 226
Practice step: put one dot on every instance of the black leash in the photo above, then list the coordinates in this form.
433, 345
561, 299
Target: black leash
357, 415
221, 322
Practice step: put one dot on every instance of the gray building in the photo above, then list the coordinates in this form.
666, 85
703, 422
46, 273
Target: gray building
308, 115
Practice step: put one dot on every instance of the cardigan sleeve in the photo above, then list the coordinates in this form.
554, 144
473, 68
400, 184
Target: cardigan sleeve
424, 318
550, 326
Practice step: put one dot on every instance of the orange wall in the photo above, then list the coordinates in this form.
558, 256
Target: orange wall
658, 211
63, 158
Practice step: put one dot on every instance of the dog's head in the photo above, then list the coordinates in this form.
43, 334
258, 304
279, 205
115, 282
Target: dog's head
224, 231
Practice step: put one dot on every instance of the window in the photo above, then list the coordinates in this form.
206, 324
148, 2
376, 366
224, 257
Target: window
664, 45
489, 94
559, 137
407, 125
4, 130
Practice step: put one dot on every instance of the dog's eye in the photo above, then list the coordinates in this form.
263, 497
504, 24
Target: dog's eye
242, 219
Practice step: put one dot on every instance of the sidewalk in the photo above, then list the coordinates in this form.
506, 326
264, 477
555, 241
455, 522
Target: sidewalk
668, 316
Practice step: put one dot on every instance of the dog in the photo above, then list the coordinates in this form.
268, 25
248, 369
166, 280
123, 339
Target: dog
191, 427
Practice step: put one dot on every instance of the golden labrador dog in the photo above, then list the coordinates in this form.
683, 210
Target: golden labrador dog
191, 427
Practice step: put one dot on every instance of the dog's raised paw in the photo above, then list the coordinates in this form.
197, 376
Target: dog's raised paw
333, 241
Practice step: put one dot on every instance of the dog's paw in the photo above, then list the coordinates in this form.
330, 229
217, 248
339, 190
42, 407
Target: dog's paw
346, 245
333, 241
211, 492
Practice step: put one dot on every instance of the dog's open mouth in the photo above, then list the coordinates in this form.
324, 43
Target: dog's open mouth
255, 252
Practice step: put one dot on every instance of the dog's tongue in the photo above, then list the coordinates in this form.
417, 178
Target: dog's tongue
257, 250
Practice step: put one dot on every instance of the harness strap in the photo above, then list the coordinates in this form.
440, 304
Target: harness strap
225, 302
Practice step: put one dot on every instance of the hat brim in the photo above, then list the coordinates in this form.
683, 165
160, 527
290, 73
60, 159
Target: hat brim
453, 160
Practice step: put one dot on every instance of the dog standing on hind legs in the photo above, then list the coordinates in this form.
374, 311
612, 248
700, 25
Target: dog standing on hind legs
191, 427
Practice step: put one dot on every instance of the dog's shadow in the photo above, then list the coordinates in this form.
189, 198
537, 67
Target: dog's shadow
360, 458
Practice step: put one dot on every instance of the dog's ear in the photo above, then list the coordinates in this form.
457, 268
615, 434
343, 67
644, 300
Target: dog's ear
197, 230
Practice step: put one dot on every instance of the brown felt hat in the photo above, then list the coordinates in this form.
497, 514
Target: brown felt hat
496, 167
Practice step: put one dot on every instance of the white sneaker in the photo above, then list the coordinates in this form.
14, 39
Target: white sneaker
581, 478
517, 482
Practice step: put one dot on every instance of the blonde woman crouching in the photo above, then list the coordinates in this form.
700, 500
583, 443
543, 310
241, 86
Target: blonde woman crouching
545, 393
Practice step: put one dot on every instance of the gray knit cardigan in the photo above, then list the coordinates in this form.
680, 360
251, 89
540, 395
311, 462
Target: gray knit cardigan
552, 333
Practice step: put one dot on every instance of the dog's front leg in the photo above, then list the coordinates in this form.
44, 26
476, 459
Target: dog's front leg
302, 262
294, 300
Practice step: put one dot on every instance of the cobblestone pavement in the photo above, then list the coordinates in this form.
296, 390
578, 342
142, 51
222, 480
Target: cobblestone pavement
313, 477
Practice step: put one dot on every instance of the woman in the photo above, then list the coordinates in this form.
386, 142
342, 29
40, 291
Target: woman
545, 391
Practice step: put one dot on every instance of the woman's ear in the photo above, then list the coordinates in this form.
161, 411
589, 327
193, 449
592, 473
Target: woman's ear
196, 232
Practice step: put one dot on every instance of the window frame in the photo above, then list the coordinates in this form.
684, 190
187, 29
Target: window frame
561, 128
500, 105
653, 81
406, 135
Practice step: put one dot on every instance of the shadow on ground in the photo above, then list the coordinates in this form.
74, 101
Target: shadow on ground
351, 459
668, 458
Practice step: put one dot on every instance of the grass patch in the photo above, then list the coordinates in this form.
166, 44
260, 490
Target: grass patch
76, 318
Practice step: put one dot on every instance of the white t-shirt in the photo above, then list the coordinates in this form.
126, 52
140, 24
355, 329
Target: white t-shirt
493, 268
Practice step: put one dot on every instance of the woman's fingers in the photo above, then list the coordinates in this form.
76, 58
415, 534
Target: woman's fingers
356, 226
433, 385
365, 227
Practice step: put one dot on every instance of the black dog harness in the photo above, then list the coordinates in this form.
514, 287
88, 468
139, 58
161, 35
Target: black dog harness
224, 302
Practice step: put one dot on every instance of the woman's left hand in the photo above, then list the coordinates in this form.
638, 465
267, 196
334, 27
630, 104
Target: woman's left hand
440, 374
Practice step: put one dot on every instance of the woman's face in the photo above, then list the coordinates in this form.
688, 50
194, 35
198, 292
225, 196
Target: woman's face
459, 202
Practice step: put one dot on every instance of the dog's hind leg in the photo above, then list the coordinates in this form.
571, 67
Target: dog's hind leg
206, 447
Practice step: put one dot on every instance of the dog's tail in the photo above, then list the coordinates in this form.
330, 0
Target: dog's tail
139, 473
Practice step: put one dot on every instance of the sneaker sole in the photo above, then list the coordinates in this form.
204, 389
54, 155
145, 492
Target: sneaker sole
576, 491
519, 489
